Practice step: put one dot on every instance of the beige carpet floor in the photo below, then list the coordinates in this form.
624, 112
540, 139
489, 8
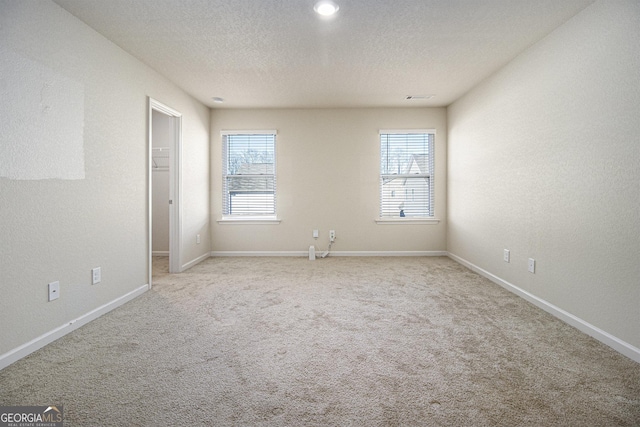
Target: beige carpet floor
334, 342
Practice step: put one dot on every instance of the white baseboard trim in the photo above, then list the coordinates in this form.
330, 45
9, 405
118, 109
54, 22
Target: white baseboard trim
331, 254
160, 253
257, 253
387, 253
604, 337
196, 261
37, 343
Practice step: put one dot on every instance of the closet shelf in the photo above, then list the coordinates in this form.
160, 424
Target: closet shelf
160, 158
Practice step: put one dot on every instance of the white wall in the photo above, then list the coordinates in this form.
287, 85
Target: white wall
328, 164
544, 160
56, 227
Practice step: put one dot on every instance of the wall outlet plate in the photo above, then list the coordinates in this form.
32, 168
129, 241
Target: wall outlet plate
507, 255
96, 275
532, 265
332, 235
315, 234
54, 290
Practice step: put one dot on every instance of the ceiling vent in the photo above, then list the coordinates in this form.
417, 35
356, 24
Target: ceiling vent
418, 97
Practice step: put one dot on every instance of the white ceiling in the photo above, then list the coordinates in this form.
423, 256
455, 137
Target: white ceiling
279, 53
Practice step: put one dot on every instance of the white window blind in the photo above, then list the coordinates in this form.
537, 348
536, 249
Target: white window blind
249, 174
406, 174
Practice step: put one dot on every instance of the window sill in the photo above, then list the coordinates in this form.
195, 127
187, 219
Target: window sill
407, 221
252, 220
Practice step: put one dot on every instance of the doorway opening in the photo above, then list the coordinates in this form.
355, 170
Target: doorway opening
164, 198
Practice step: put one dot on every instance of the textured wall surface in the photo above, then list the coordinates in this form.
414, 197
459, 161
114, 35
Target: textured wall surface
43, 121
57, 228
544, 160
328, 168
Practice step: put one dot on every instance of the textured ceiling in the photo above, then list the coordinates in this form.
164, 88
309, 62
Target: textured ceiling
279, 53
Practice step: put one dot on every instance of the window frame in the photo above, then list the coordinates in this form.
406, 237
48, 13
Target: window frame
256, 218
429, 218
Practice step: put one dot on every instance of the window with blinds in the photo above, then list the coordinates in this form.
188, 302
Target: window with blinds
406, 173
249, 174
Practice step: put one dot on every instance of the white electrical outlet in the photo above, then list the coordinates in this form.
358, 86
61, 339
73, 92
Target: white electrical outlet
332, 235
532, 265
96, 275
507, 255
197, 239
54, 290
315, 234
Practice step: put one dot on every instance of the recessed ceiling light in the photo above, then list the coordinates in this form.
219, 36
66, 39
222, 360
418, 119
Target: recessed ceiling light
218, 100
326, 8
